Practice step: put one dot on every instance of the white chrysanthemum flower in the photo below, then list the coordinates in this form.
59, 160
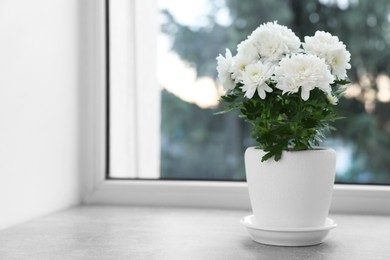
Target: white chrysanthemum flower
254, 78
338, 61
239, 63
320, 43
289, 38
305, 72
274, 41
224, 68
328, 47
332, 99
248, 48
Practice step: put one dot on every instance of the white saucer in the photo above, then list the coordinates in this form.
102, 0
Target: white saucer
287, 237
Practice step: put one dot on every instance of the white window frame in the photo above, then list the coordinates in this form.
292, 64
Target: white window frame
367, 199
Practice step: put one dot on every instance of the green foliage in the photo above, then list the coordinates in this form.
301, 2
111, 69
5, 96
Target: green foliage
284, 121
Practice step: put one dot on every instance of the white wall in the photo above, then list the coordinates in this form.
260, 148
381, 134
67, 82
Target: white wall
39, 103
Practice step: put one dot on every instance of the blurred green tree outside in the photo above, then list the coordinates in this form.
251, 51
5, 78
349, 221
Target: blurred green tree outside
196, 144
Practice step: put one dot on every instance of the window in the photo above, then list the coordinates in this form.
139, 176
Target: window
183, 39
142, 140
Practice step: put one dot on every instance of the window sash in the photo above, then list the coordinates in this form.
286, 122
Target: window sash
97, 189
134, 110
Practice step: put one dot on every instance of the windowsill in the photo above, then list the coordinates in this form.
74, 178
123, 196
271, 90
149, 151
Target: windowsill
99, 232
350, 199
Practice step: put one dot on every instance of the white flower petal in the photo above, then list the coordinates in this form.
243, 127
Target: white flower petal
249, 91
267, 88
305, 95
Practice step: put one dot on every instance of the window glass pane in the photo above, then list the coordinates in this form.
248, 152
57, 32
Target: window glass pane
196, 144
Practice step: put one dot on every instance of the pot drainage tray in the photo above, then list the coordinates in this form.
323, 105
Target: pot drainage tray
287, 237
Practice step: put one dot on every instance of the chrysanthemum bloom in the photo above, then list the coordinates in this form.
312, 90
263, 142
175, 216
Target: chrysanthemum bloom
248, 48
328, 47
224, 68
274, 41
303, 72
254, 78
332, 99
240, 61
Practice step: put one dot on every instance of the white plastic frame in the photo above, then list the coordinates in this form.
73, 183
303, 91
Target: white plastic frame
365, 199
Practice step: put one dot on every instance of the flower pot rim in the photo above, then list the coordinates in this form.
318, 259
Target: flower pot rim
314, 149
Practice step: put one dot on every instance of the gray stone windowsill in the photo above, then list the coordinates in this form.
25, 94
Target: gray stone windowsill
108, 232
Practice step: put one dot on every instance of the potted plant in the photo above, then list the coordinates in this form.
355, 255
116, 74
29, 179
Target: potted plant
287, 89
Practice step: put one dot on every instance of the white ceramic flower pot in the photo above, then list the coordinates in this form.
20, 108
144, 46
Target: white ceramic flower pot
294, 192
